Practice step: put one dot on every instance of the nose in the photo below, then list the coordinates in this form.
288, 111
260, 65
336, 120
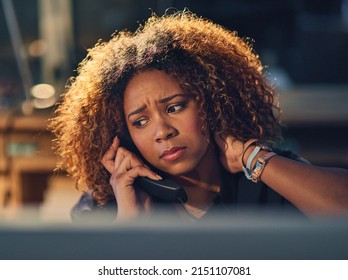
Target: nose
164, 130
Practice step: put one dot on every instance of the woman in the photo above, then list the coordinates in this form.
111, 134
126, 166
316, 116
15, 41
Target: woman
193, 98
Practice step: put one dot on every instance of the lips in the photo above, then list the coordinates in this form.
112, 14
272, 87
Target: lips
173, 153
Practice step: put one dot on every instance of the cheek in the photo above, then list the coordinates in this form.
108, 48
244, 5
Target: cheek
139, 140
195, 126
144, 145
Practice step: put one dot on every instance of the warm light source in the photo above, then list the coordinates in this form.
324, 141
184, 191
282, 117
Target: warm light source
42, 91
44, 103
44, 96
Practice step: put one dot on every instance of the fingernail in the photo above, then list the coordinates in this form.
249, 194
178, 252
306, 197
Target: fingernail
159, 177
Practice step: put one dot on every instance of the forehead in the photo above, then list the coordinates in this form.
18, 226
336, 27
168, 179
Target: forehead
150, 84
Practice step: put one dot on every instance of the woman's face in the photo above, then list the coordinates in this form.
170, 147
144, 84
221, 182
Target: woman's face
164, 122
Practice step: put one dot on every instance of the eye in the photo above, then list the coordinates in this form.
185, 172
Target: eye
175, 108
140, 123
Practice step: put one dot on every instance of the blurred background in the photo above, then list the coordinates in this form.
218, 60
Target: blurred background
303, 42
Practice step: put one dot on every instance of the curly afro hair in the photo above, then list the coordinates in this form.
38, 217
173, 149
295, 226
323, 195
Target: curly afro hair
218, 67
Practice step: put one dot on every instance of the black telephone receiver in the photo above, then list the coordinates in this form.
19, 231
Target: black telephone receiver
165, 190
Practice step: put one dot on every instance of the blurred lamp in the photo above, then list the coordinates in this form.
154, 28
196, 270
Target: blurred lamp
42, 91
44, 96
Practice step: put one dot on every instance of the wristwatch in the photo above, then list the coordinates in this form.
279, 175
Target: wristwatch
260, 165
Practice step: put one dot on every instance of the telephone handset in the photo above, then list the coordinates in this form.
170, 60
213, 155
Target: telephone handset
165, 190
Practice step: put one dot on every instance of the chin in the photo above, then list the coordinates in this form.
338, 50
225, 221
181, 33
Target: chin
178, 170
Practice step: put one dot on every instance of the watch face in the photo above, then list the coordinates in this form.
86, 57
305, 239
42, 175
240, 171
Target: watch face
260, 165
257, 170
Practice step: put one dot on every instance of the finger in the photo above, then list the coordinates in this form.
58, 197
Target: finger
109, 156
122, 156
126, 160
137, 168
122, 183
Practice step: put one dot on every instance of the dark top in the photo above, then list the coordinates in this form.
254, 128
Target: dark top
237, 193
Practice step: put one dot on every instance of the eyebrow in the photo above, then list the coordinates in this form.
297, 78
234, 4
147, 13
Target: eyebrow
137, 111
169, 98
161, 101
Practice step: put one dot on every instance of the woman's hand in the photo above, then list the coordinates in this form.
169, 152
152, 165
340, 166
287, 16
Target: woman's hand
232, 151
124, 168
